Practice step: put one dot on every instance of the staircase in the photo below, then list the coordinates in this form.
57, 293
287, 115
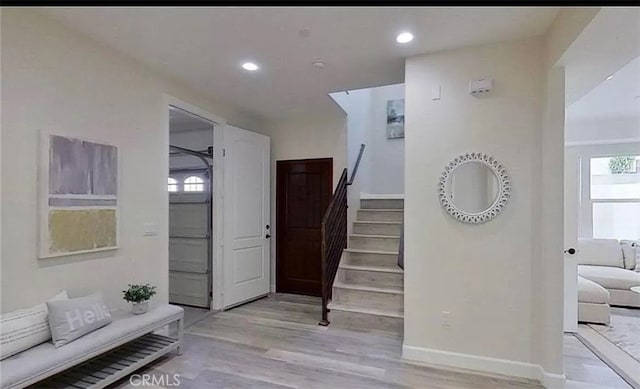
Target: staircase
368, 291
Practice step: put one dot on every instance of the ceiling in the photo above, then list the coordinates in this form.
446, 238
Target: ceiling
181, 121
609, 42
616, 98
204, 47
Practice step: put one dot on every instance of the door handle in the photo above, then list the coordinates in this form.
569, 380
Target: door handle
570, 251
267, 236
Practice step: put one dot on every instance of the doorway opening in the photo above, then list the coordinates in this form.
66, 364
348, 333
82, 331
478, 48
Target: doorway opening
218, 185
190, 186
602, 200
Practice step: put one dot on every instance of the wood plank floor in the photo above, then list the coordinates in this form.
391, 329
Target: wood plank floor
276, 343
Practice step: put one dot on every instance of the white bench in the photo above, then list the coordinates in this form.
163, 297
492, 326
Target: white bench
99, 358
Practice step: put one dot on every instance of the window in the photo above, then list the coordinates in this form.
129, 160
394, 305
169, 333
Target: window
193, 184
614, 196
172, 184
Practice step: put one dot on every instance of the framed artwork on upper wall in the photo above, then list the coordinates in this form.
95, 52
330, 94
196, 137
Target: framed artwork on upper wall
78, 187
395, 119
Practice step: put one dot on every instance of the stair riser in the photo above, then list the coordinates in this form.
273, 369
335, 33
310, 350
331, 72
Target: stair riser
382, 204
371, 278
379, 216
371, 260
377, 229
368, 243
368, 299
359, 321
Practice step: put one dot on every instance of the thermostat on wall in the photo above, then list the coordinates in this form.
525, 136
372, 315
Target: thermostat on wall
480, 86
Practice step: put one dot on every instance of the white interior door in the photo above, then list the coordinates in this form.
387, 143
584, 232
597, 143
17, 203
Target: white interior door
246, 216
571, 220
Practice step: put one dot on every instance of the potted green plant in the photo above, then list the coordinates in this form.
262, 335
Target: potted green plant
138, 296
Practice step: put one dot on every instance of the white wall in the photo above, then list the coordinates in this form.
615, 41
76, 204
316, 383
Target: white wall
564, 30
357, 106
305, 138
58, 80
548, 236
603, 129
481, 274
0, 152
382, 169
507, 314
387, 155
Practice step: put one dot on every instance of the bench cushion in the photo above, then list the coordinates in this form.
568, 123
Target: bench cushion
40, 360
590, 292
610, 277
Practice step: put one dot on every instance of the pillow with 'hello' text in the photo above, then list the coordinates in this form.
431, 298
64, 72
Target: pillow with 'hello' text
73, 318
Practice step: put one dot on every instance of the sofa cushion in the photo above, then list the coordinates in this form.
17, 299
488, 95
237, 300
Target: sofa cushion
73, 318
602, 252
610, 277
25, 328
41, 359
590, 292
630, 253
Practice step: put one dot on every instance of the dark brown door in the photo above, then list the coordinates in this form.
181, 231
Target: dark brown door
304, 189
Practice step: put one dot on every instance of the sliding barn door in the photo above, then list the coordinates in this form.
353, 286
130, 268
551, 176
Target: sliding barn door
246, 216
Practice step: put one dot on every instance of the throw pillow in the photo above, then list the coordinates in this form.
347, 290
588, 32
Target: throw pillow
73, 318
630, 251
25, 328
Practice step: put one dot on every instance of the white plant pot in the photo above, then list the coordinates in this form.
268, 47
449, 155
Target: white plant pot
140, 308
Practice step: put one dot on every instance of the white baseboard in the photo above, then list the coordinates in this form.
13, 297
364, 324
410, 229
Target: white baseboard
372, 196
552, 380
482, 365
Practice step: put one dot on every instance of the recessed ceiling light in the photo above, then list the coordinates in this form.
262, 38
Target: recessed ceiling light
404, 37
250, 66
609, 77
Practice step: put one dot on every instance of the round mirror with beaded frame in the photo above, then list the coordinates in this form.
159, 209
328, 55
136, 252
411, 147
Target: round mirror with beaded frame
503, 188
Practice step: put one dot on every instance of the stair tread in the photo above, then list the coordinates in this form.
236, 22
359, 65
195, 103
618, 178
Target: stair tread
363, 251
371, 311
368, 288
376, 222
382, 269
375, 236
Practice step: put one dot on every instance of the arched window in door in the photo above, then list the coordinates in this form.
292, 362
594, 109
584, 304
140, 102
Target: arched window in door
193, 184
172, 184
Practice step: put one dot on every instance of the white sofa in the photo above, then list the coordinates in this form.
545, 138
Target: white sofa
133, 332
610, 264
593, 302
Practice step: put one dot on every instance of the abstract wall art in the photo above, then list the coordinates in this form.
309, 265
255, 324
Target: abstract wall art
78, 196
395, 119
